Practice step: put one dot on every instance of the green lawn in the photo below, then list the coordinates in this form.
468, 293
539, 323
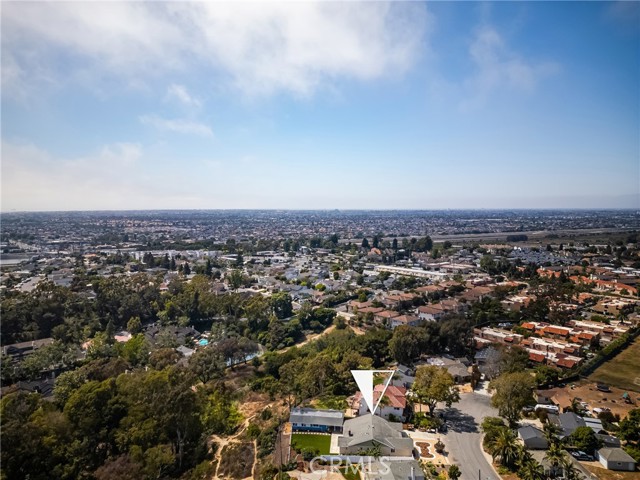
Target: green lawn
319, 442
349, 474
622, 370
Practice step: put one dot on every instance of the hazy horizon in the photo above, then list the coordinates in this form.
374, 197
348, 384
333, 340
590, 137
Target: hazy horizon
337, 210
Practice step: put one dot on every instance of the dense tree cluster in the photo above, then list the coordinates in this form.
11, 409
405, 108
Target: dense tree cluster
105, 422
453, 335
323, 367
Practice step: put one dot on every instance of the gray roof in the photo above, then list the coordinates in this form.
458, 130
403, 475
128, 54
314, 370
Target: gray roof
615, 455
529, 431
333, 418
402, 470
594, 423
568, 422
367, 428
609, 440
488, 353
396, 470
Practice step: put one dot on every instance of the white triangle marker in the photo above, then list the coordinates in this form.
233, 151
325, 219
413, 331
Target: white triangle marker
364, 380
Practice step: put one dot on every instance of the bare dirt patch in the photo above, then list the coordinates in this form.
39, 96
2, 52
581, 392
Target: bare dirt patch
236, 461
613, 400
604, 474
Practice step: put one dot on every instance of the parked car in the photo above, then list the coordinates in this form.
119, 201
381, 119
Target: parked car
580, 455
603, 387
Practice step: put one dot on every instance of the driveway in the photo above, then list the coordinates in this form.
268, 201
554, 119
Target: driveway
464, 437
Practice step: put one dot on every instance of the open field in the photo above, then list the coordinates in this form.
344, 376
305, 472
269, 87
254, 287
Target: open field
319, 442
546, 236
622, 371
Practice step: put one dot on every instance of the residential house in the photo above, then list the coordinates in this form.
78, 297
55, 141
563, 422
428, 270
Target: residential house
354, 306
19, 350
533, 438
430, 313
409, 320
392, 406
568, 423
459, 371
361, 434
403, 377
616, 459
384, 317
312, 420
396, 470
477, 294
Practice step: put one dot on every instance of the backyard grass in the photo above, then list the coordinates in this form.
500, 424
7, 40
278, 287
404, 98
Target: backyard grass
622, 370
316, 442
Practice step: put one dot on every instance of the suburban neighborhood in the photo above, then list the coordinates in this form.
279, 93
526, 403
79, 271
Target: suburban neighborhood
500, 364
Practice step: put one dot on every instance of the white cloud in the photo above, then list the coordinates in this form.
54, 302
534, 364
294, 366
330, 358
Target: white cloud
180, 93
177, 125
261, 48
33, 179
497, 67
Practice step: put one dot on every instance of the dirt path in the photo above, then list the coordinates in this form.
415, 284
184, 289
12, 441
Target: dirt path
310, 338
256, 408
255, 460
253, 409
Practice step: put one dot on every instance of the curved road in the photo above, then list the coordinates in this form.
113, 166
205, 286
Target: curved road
464, 437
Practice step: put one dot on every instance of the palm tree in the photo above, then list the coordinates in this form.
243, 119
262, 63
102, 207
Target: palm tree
570, 470
555, 456
505, 448
551, 432
531, 470
373, 451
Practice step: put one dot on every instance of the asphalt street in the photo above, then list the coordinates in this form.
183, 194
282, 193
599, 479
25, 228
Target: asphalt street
464, 436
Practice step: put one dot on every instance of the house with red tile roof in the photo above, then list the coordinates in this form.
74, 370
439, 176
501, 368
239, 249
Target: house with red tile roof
537, 357
430, 313
409, 320
551, 331
385, 316
392, 405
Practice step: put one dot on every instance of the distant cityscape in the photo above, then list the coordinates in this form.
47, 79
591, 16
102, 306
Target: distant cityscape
519, 316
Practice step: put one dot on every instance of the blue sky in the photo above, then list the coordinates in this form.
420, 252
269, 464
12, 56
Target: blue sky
320, 105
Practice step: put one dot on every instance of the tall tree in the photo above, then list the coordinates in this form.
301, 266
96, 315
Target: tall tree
512, 392
504, 448
434, 384
281, 305
206, 364
408, 343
